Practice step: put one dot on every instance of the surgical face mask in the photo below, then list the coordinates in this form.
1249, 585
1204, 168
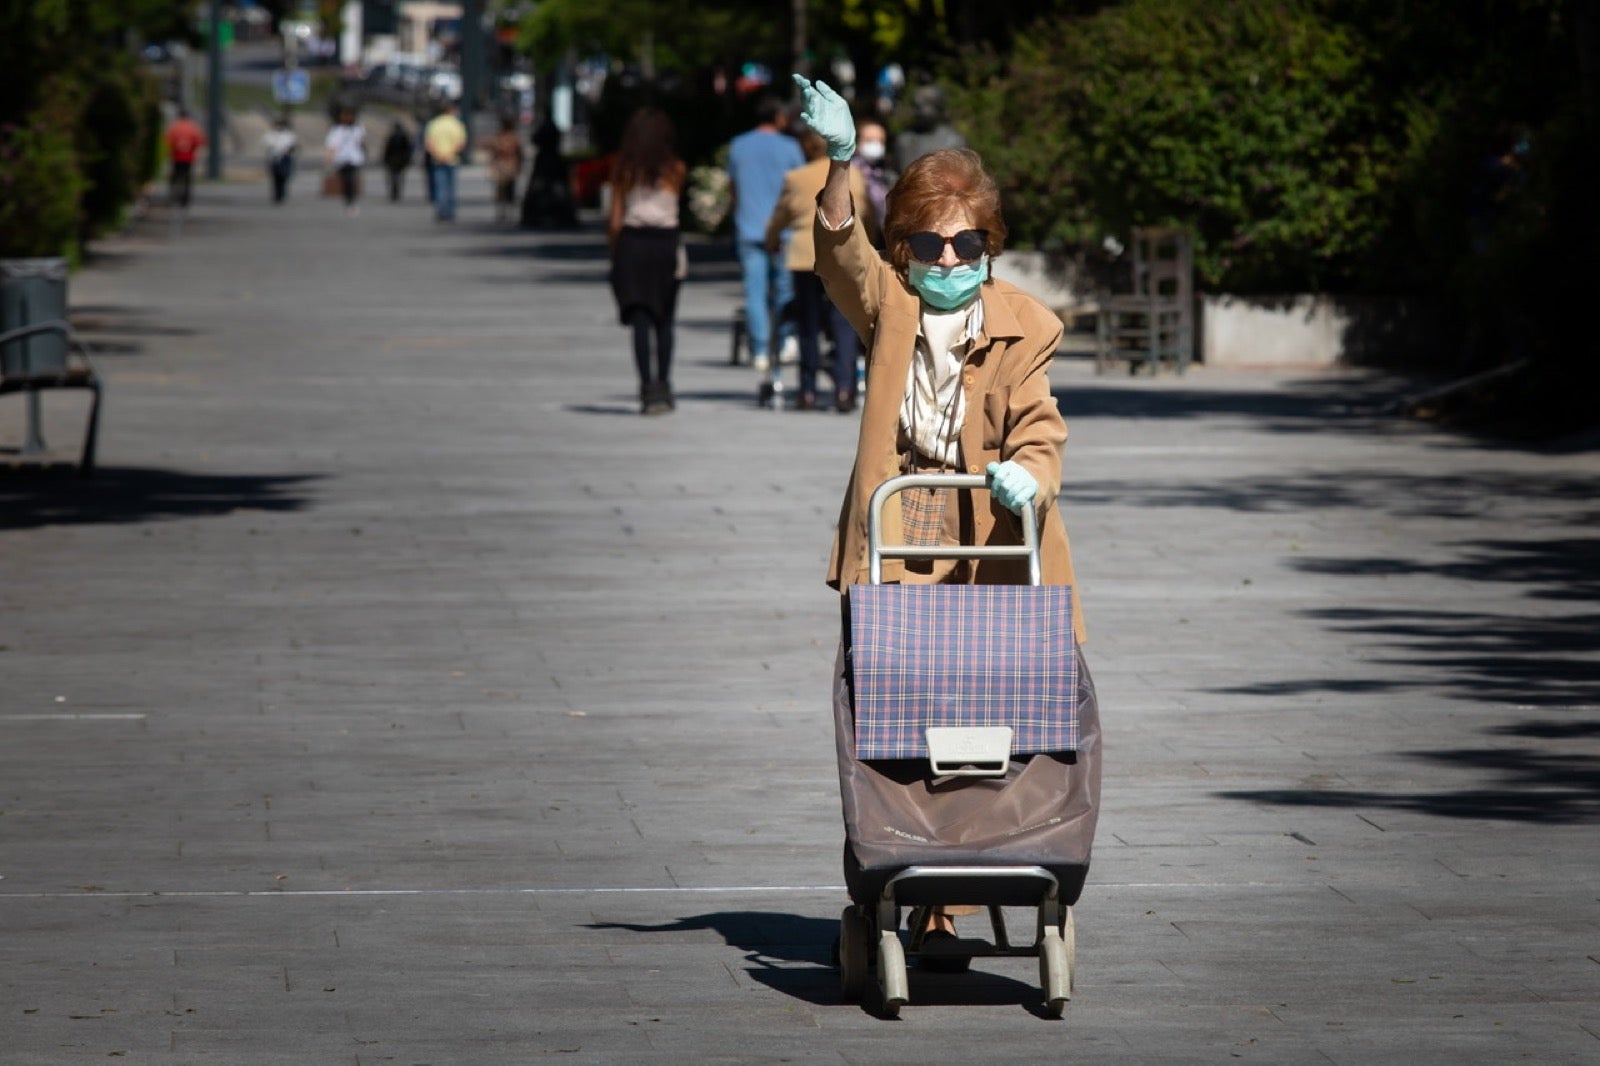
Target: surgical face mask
871, 151
947, 288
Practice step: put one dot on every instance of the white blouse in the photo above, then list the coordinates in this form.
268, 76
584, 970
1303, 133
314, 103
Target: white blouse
653, 207
935, 405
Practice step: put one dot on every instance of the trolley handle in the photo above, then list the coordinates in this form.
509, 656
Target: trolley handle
878, 551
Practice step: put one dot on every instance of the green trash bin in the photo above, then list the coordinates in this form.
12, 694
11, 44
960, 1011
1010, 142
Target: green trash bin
33, 291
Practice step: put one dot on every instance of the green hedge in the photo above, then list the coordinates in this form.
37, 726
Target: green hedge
41, 181
118, 132
83, 118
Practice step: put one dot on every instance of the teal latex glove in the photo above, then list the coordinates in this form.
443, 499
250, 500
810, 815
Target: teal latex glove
826, 112
1012, 485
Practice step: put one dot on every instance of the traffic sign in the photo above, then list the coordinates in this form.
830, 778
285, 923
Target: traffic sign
291, 86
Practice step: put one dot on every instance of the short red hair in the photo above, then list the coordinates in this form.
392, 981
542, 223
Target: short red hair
936, 185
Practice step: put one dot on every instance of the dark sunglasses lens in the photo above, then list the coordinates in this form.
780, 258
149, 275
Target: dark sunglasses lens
926, 247
969, 243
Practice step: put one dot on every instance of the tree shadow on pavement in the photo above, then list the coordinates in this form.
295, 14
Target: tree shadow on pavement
726, 397
1540, 786
1532, 661
562, 250
1386, 492
1529, 659
792, 954
1306, 406
113, 329
709, 261
32, 498
123, 320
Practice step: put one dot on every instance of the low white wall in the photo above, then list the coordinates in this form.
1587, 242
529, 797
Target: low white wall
1291, 330
1048, 279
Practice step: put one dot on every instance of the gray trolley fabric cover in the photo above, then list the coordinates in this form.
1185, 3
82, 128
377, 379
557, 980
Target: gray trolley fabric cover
1042, 812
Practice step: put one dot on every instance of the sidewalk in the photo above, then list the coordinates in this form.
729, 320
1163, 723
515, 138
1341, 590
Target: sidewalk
397, 694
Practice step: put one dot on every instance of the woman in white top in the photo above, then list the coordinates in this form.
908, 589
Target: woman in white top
346, 149
646, 251
279, 143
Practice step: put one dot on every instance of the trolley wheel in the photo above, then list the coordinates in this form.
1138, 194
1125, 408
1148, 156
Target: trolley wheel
892, 984
1054, 973
1069, 939
855, 946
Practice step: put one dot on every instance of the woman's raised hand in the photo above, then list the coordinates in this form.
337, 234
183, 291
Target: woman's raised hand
826, 112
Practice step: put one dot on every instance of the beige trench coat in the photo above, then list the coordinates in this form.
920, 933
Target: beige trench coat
1010, 412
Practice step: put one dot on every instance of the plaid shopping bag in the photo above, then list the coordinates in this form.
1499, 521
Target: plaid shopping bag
962, 655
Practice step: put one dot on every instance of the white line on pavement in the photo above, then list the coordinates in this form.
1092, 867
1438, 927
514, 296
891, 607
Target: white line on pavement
130, 717
726, 890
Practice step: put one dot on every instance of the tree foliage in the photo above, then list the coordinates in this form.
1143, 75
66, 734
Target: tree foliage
80, 118
677, 36
1442, 151
1256, 124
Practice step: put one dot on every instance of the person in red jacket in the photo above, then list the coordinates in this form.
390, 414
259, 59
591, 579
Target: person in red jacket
184, 141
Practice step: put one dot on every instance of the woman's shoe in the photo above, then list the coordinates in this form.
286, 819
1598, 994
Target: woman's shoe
654, 400
943, 963
806, 402
845, 402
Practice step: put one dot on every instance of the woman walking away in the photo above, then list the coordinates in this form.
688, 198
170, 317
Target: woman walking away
958, 370
647, 260
347, 153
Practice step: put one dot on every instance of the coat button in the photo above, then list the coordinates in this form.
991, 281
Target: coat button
969, 379
973, 470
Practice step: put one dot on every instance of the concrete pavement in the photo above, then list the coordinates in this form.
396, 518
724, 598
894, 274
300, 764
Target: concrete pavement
398, 694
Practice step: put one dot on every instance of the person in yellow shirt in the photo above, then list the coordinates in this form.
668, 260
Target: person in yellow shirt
445, 138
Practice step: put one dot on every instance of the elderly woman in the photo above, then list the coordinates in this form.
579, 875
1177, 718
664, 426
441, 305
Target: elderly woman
957, 375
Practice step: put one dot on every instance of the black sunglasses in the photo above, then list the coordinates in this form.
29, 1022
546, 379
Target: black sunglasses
928, 246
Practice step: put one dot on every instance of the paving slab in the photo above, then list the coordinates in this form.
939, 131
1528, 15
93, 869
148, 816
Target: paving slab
397, 694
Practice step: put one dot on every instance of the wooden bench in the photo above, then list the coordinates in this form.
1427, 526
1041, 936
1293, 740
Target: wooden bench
63, 365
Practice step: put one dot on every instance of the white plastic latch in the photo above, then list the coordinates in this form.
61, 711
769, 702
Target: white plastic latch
969, 751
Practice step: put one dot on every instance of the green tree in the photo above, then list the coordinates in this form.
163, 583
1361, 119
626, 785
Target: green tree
1256, 124
659, 34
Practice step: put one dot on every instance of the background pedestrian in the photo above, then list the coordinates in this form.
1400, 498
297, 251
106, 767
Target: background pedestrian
445, 139
505, 166
346, 150
872, 160
398, 149
929, 129
184, 141
280, 143
547, 203
647, 255
813, 312
757, 162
